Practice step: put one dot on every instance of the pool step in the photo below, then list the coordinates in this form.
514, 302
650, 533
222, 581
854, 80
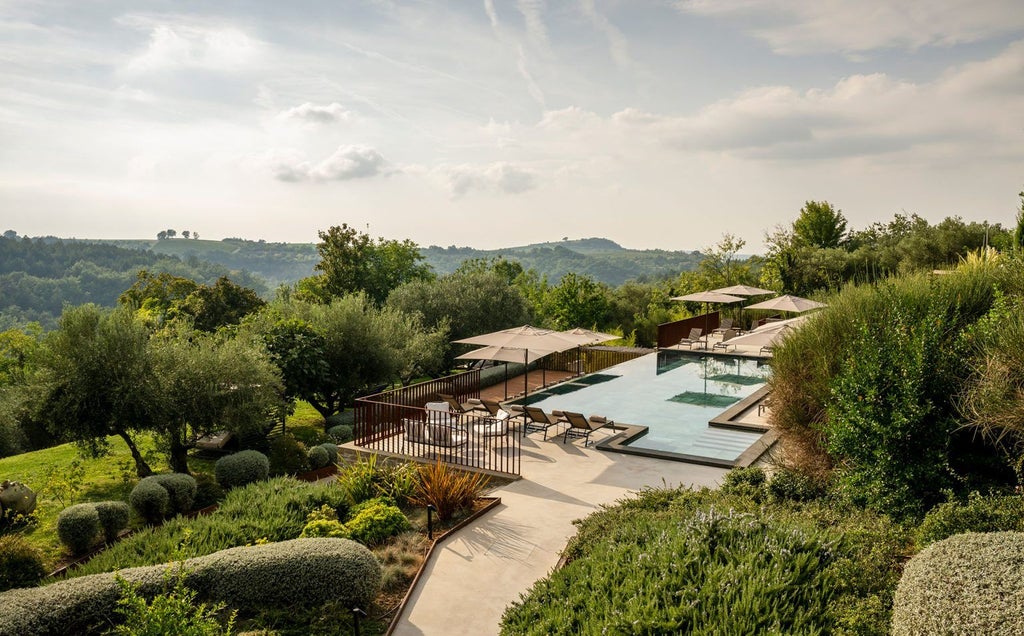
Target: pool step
718, 442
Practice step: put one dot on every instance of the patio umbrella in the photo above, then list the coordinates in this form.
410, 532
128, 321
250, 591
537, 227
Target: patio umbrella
743, 290
793, 304
708, 297
587, 337
501, 354
526, 338
768, 335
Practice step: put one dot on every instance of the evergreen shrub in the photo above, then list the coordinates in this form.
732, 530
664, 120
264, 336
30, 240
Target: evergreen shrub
332, 452
208, 491
375, 520
21, 564
318, 457
241, 468
150, 500
977, 514
113, 518
78, 527
792, 485
967, 584
287, 455
342, 433
181, 489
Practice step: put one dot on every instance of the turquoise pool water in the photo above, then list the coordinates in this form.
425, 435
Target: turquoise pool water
671, 392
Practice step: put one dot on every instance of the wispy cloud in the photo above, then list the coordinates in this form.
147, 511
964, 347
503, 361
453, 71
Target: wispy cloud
317, 114
533, 16
345, 164
531, 85
185, 46
499, 177
617, 44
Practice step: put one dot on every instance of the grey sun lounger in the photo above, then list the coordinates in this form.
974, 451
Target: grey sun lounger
580, 426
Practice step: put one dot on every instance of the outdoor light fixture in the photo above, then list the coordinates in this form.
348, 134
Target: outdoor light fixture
430, 521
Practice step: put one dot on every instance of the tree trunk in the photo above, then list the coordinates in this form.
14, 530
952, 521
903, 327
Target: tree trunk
178, 455
142, 469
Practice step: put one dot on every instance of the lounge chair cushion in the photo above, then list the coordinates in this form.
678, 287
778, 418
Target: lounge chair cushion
445, 435
415, 430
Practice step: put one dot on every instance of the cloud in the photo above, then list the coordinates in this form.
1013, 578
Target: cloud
315, 114
536, 32
500, 177
531, 85
193, 47
616, 40
798, 27
347, 163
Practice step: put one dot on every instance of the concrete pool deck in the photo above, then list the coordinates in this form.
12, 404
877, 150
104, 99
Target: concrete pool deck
473, 576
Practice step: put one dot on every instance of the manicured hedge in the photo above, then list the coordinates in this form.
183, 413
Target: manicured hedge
341, 433
150, 500
977, 514
181, 489
113, 516
78, 527
967, 584
318, 457
303, 572
242, 468
332, 452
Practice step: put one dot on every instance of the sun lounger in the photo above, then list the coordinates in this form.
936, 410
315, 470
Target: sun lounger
580, 426
724, 326
693, 339
724, 343
538, 420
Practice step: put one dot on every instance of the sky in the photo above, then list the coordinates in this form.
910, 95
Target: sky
494, 123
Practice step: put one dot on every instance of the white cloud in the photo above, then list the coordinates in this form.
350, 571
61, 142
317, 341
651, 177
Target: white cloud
531, 85
536, 32
316, 114
345, 164
500, 177
186, 46
616, 40
811, 26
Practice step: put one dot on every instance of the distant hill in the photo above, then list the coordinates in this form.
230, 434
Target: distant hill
276, 263
39, 276
601, 259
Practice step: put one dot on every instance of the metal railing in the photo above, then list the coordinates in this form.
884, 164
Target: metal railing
396, 422
591, 359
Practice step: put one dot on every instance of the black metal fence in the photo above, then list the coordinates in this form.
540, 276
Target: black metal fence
398, 422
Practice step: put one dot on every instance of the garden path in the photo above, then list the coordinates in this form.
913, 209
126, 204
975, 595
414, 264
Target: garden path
475, 574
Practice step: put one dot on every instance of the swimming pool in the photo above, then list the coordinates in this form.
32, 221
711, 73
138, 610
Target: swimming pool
673, 393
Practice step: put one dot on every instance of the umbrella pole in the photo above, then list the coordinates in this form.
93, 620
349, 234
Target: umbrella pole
526, 372
506, 379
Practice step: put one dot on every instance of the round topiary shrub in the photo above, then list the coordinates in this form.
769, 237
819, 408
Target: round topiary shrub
21, 565
341, 433
318, 457
332, 452
113, 516
150, 500
374, 520
967, 584
241, 468
78, 527
180, 487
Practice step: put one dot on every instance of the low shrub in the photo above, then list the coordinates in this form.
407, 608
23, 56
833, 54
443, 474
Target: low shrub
318, 457
78, 527
274, 510
447, 489
332, 452
208, 491
170, 613
150, 500
21, 564
967, 584
325, 528
113, 517
977, 514
287, 455
791, 485
298, 573
241, 468
745, 481
181, 489
376, 520
400, 482
342, 433
360, 479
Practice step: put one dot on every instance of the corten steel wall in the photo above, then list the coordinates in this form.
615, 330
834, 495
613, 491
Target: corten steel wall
591, 359
670, 333
382, 423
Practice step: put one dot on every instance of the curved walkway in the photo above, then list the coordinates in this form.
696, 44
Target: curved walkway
474, 575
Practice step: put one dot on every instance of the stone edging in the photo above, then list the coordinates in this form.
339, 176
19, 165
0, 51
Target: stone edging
493, 502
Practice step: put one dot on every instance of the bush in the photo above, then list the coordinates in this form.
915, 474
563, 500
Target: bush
274, 510
332, 452
376, 520
325, 528
966, 584
208, 491
239, 469
171, 613
78, 527
360, 479
287, 455
318, 457
447, 489
113, 518
150, 500
341, 433
299, 573
745, 481
791, 485
181, 489
21, 565
977, 514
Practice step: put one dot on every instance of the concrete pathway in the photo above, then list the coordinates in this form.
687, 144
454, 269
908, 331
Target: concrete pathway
474, 575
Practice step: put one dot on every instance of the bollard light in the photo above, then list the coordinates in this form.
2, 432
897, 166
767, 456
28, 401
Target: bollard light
356, 613
430, 521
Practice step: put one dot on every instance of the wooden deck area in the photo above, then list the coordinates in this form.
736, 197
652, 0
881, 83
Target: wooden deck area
536, 380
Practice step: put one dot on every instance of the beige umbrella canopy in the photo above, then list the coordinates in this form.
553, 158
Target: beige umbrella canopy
707, 297
528, 340
502, 354
743, 290
794, 304
586, 336
768, 335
